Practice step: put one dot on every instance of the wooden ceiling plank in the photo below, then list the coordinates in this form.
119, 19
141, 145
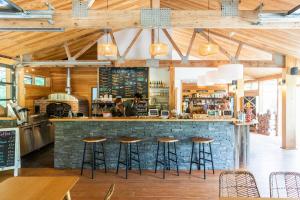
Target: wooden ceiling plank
132, 42
173, 43
243, 42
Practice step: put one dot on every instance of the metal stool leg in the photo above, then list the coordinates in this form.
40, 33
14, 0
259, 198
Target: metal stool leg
176, 158
93, 160
204, 161
157, 151
126, 158
211, 157
104, 158
199, 158
118, 164
138, 154
164, 170
169, 164
192, 158
130, 160
83, 158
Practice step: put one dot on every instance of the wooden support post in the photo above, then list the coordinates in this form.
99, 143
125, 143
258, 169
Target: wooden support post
238, 97
289, 105
191, 44
172, 97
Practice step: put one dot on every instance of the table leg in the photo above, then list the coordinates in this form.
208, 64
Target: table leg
68, 196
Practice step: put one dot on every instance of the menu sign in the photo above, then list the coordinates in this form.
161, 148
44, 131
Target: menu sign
9, 149
124, 82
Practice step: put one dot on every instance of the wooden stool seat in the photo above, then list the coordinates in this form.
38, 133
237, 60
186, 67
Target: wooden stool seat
129, 140
94, 139
167, 140
202, 140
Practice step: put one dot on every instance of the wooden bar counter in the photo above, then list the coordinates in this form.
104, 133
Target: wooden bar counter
226, 147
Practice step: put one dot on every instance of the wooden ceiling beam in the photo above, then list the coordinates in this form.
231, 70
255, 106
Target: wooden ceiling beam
67, 50
238, 51
222, 50
113, 39
85, 49
138, 63
202, 63
119, 19
132, 42
191, 44
173, 43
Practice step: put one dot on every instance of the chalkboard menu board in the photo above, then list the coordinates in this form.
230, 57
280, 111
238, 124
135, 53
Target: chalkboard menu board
9, 149
124, 82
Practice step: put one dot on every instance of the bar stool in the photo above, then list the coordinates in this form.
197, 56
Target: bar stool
96, 154
128, 141
202, 141
166, 163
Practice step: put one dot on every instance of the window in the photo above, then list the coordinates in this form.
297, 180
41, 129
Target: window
94, 93
7, 86
40, 81
28, 79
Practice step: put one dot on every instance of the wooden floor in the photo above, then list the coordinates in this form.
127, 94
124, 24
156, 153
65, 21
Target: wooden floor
147, 186
266, 156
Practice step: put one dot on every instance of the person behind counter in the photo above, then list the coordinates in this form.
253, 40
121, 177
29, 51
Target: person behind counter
118, 110
131, 105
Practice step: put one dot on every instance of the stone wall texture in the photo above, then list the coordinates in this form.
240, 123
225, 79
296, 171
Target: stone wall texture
69, 147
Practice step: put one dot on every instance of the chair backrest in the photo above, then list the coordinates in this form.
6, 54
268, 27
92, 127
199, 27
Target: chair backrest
237, 184
110, 192
284, 184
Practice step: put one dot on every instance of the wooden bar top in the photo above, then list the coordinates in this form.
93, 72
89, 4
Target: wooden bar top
7, 118
74, 119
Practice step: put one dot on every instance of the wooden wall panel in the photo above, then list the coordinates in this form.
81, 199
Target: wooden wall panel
82, 81
33, 92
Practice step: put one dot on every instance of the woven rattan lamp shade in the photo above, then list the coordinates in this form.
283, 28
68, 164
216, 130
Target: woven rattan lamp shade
107, 49
159, 49
208, 49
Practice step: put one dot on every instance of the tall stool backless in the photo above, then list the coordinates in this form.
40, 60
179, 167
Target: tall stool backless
98, 154
166, 141
127, 142
202, 159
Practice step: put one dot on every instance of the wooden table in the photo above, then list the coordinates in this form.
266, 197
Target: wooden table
42, 188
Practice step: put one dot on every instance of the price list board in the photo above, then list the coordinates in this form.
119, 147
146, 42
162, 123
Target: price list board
124, 82
9, 149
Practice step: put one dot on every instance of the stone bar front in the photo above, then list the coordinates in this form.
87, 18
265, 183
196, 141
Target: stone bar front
69, 132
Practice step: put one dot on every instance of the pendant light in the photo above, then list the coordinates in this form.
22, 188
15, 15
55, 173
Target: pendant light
158, 48
208, 48
107, 49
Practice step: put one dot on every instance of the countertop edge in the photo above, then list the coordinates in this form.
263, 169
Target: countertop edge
140, 119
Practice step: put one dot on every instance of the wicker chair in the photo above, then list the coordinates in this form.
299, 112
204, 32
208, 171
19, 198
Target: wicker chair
284, 185
237, 184
110, 192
